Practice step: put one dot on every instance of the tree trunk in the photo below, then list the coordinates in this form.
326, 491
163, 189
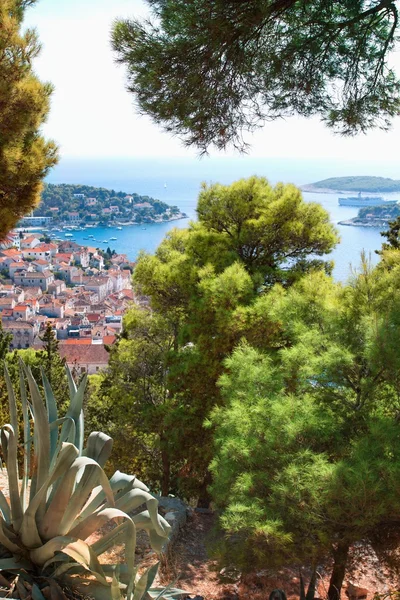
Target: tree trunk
339, 569
166, 469
204, 498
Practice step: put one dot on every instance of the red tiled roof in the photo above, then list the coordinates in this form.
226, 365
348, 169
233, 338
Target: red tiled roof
84, 353
93, 317
11, 252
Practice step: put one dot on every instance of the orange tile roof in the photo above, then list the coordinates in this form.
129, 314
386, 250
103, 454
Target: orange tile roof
84, 353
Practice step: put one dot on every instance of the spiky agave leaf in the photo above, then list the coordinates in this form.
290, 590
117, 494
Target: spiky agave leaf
70, 497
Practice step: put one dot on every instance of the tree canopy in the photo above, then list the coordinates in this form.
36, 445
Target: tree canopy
307, 441
201, 284
207, 70
25, 156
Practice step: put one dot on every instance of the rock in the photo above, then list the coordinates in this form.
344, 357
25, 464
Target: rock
229, 575
354, 592
204, 511
175, 513
170, 517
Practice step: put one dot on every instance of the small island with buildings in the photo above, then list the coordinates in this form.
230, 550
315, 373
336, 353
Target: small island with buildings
66, 204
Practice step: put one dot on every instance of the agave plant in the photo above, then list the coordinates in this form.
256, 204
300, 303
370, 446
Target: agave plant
63, 496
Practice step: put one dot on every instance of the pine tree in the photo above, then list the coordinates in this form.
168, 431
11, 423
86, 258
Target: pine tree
5, 339
25, 156
53, 364
209, 70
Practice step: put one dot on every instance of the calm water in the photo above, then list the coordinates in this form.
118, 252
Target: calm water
178, 182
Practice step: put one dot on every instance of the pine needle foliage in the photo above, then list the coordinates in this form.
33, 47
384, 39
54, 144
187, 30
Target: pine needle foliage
307, 444
25, 156
209, 70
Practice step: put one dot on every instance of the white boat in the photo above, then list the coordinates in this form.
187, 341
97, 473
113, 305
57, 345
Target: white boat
112, 239
365, 201
68, 234
120, 228
105, 241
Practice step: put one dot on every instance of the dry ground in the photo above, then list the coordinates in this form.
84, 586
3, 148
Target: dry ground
199, 574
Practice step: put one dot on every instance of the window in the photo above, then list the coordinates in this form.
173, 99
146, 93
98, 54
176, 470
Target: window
83, 369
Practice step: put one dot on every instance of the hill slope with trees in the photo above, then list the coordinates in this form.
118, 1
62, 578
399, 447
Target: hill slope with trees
100, 204
361, 183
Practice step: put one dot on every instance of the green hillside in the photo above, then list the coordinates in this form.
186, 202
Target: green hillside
359, 184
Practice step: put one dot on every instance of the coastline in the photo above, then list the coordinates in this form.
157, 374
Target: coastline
317, 190
376, 223
69, 225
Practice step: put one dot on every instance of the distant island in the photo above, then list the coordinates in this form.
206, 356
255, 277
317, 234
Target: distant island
374, 216
84, 204
354, 184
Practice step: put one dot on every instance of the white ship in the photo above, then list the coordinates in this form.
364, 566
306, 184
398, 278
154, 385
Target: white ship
365, 201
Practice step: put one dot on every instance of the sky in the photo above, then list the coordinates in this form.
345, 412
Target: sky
92, 114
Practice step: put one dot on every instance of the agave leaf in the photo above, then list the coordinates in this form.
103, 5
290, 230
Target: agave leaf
40, 556
115, 589
168, 593
93, 475
4, 507
145, 582
89, 588
97, 520
120, 483
31, 525
27, 438
64, 505
71, 383
80, 424
124, 572
68, 431
56, 592
75, 408
6, 541
144, 521
9, 445
11, 401
109, 539
79, 551
134, 499
42, 433
36, 593
52, 413
14, 564
98, 447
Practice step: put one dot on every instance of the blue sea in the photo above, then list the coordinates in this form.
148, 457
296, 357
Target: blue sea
177, 181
